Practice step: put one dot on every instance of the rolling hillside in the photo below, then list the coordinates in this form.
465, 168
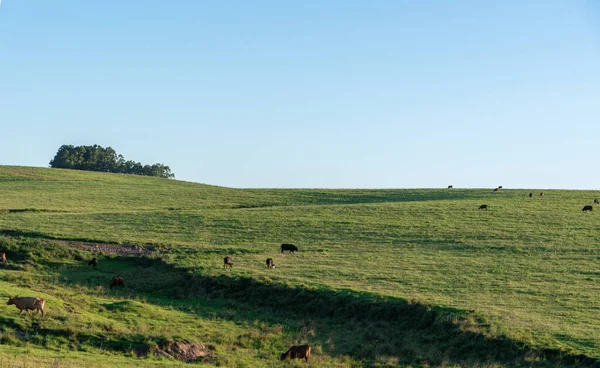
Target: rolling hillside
516, 285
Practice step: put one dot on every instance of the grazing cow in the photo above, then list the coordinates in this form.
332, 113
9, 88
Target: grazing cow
587, 208
291, 247
270, 263
450, 187
117, 282
530, 195
227, 262
93, 262
596, 201
542, 195
3, 257
483, 207
496, 189
297, 352
27, 304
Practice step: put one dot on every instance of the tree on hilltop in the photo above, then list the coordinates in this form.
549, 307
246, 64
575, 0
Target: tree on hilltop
97, 158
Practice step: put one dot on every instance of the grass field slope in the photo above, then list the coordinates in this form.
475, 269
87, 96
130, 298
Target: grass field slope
402, 277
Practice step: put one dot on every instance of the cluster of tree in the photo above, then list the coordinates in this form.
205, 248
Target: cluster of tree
97, 158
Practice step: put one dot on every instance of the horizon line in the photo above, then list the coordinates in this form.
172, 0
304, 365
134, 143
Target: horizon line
324, 188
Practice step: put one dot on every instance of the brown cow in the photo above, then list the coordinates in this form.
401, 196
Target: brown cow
117, 282
298, 352
596, 201
270, 263
542, 195
483, 207
3, 257
496, 189
27, 304
227, 262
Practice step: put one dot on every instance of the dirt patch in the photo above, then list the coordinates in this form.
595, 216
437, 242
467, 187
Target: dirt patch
186, 351
114, 249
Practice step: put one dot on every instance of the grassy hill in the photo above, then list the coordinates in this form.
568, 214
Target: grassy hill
414, 277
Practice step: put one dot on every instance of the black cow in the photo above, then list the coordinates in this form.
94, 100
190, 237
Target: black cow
270, 263
496, 189
93, 262
291, 247
530, 195
227, 262
450, 187
500, 187
483, 207
596, 201
587, 208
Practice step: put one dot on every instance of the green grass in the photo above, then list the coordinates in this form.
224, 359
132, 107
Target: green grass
527, 267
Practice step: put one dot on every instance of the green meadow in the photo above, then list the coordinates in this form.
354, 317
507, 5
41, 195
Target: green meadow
391, 277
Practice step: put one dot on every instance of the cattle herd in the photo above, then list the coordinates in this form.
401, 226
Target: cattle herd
29, 304
295, 352
585, 208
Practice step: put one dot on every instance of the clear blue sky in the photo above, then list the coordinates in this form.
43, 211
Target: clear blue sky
311, 93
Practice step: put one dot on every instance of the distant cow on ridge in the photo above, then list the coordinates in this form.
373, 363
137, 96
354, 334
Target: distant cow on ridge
227, 262
291, 247
450, 187
483, 207
587, 208
270, 263
496, 189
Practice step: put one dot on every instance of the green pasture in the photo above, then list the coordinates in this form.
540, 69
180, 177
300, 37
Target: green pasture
527, 267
